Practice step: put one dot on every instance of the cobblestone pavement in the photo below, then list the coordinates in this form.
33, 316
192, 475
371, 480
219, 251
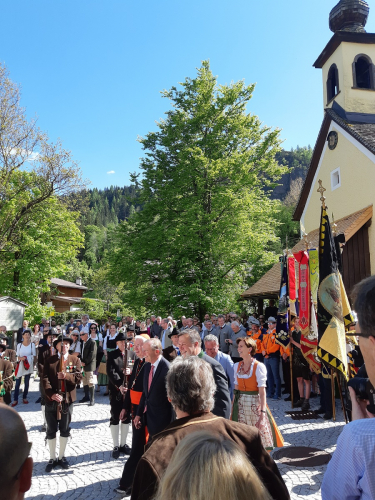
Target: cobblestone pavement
94, 474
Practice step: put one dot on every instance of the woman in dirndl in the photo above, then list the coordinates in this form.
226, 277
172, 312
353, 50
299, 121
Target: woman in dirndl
109, 345
249, 403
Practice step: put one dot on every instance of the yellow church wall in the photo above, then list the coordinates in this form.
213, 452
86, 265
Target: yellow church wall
352, 100
357, 175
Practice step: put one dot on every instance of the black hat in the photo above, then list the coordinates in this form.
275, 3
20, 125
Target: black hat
174, 332
51, 331
63, 339
130, 328
121, 336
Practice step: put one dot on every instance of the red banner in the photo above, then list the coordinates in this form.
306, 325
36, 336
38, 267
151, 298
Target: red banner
304, 291
292, 277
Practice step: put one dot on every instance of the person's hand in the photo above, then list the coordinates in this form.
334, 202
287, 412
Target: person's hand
358, 407
57, 397
127, 371
260, 420
263, 353
137, 422
285, 356
123, 389
82, 364
61, 375
122, 415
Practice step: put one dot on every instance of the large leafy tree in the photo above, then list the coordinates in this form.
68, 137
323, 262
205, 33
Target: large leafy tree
206, 223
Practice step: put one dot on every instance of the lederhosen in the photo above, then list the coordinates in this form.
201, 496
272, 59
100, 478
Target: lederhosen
132, 399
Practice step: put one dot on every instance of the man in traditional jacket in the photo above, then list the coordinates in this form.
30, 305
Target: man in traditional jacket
193, 412
61, 374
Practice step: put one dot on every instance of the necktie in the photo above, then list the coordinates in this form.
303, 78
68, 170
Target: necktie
151, 374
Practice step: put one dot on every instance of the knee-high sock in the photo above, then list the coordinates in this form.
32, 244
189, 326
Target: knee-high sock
52, 448
115, 434
124, 433
63, 443
44, 414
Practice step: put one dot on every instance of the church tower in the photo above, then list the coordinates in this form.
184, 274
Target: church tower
347, 62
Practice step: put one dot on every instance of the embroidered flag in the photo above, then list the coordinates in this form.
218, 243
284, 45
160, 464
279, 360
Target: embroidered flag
314, 274
282, 327
302, 258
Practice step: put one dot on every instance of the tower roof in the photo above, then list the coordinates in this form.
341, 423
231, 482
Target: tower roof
349, 15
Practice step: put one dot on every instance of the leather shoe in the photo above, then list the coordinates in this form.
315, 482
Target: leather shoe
64, 464
15, 403
51, 465
116, 452
125, 449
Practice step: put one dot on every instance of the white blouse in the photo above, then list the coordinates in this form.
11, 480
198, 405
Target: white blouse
261, 374
108, 337
28, 351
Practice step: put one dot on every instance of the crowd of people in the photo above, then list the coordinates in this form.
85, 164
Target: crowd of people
195, 395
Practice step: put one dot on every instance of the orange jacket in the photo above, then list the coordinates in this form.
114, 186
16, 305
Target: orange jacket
257, 337
269, 343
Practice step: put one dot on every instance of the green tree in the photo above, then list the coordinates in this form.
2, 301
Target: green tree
206, 223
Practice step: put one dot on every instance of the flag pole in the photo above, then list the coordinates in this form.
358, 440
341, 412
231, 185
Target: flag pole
333, 394
341, 396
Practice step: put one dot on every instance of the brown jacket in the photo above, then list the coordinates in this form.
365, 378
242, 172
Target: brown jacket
7, 368
51, 382
11, 355
155, 460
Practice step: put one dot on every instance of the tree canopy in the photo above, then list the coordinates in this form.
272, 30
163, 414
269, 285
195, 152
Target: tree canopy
206, 224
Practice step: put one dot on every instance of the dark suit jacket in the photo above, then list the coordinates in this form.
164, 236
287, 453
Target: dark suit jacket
223, 402
156, 330
50, 381
159, 452
115, 370
89, 356
159, 409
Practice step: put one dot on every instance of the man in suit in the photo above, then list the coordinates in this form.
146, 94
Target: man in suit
60, 378
190, 385
88, 361
156, 329
116, 370
171, 352
20, 331
167, 329
211, 345
190, 345
154, 407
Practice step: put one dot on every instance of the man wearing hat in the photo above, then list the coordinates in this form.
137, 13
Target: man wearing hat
256, 334
61, 374
116, 371
88, 361
271, 353
44, 351
171, 352
5, 352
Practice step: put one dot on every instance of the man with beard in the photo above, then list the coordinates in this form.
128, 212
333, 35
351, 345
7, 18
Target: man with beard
130, 407
116, 370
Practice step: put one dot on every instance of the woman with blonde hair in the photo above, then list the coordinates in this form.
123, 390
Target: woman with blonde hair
213, 469
249, 402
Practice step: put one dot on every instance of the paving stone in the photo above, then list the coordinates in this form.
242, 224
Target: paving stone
94, 474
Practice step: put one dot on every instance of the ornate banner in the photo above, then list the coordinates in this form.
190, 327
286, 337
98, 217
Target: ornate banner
292, 284
302, 258
314, 274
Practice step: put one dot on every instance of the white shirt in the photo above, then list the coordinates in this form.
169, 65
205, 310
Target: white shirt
261, 374
99, 337
28, 351
65, 355
109, 337
155, 365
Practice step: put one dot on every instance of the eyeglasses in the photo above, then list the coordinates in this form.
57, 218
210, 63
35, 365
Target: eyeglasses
93, 328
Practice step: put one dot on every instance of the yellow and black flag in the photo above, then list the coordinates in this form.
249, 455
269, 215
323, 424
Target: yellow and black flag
333, 305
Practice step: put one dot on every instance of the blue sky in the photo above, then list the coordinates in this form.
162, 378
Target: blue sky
92, 70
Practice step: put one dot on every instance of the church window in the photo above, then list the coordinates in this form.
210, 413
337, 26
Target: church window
363, 72
332, 82
335, 179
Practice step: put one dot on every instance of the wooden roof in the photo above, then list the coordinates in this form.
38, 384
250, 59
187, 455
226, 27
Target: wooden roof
269, 284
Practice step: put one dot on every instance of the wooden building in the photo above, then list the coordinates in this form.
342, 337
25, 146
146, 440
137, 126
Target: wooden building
65, 295
344, 154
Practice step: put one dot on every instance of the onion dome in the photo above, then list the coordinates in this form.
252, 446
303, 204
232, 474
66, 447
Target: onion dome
349, 15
